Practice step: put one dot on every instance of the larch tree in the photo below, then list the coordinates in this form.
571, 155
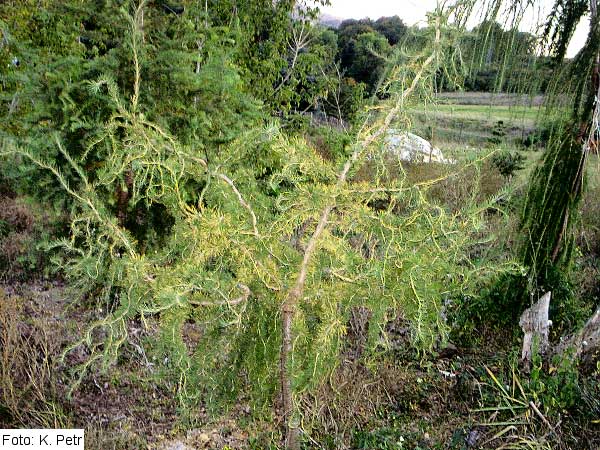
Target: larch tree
190, 205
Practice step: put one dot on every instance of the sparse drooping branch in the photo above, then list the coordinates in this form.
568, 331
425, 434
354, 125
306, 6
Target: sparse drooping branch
557, 185
82, 198
233, 302
243, 202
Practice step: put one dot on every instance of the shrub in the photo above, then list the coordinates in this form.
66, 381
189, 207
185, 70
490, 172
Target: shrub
498, 133
508, 163
330, 143
263, 243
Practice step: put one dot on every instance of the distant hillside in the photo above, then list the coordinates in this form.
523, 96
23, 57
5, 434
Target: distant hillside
330, 21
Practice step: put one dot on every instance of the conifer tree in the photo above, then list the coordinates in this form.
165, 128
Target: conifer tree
261, 242
189, 204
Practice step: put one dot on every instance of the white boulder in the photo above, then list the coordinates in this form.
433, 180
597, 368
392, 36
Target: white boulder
412, 148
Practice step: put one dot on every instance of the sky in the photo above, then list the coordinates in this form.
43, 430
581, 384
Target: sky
413, 12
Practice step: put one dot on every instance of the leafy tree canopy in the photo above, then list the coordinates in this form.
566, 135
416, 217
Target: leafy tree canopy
393, 28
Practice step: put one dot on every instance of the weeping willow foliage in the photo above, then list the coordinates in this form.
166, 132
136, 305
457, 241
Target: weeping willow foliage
550, 210
240, 224
557, 185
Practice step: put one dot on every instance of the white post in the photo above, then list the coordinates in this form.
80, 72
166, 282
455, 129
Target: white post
535, 324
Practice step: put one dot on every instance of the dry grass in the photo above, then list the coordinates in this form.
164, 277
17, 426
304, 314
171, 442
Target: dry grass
28, 389
349, 401
456, 185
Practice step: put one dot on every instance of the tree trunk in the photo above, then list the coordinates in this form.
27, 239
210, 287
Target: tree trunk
295, 294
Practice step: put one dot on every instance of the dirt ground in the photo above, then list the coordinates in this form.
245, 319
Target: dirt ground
444, 402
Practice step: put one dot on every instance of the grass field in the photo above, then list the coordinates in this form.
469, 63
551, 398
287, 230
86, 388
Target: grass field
462, 125
474, 118
488, 98
518, 114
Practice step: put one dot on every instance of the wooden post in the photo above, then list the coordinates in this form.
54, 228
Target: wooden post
535, 324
